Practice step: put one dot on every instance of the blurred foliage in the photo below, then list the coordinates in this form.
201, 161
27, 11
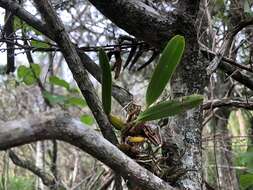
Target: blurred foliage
29, 75
19, 183
71, 96
19, 24
246, 177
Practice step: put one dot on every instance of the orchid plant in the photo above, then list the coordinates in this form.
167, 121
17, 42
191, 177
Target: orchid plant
135, 129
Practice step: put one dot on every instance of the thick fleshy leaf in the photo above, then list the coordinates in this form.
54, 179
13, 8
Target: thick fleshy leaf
166, 66
106, 81
170, 108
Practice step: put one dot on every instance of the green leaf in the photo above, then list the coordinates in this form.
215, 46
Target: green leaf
170, 108
74, 101
39, 44
59, 82
166, 66
22, 71
87, 119
36, 69
54, 99
29, 79
25, 74
106, 81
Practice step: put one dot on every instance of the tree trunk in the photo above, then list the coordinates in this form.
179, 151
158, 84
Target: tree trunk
184, 131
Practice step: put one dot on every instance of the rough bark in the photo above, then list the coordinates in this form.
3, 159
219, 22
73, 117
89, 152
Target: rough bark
154, 27
63, 127
185, 130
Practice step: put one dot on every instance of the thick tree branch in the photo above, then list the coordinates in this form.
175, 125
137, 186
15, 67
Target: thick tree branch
143, 21
63, 127
80, 75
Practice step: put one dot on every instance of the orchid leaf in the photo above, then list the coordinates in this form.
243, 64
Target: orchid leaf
106, 81
170, 108
166, 66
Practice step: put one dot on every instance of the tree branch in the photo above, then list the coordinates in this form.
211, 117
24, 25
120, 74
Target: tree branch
210, 55
62, 127
226, 45
237, 75
227, 103
154, 27
230, 69
47, 179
